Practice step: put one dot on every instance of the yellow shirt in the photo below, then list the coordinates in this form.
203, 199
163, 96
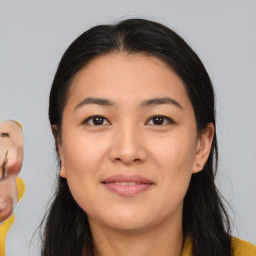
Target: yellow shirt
240, 248
4, 228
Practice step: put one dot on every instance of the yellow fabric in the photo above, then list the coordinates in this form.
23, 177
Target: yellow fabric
4, 228
239, 247
243, 248
187, 248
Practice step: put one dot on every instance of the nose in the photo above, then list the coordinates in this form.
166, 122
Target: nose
127, 146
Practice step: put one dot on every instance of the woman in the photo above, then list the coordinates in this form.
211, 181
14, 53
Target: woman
132, 112
12, 187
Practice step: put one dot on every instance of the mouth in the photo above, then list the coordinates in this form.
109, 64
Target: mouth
127, 185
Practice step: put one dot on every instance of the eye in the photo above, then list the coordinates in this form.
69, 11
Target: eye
96, 120
5, 135
160, 120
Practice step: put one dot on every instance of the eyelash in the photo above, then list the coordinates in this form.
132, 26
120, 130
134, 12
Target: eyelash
86, 121
169, 120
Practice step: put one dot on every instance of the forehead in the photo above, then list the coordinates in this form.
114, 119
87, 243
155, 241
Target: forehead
127, 78
10, 126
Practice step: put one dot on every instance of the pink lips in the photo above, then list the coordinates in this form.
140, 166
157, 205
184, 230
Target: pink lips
127, 185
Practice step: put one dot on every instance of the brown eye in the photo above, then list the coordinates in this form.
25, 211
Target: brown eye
160, 120
5, 135
96, 120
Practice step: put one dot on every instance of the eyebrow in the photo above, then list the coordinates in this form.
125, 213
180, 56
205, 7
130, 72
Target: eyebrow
97, 101
159, 101
146, 103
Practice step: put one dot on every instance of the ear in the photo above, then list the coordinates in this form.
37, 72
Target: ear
203, 149
59, 149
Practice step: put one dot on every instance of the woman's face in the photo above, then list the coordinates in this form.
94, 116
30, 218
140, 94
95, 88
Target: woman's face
11, 147
129, 143
8, 196
11, 157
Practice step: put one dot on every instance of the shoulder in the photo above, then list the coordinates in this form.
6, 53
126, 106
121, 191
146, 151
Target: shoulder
241, 247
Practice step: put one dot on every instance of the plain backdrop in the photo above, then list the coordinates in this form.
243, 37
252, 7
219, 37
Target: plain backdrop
35, 34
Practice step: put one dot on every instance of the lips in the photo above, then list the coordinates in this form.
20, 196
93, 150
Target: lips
127, 185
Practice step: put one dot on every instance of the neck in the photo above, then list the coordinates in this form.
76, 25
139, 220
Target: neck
164, 240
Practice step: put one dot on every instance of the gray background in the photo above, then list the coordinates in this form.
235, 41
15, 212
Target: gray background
34, 35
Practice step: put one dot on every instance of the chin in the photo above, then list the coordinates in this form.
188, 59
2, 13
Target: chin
130, 221
5, 213
129, 226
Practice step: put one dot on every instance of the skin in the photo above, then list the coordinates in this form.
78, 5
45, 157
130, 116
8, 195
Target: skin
8, 196
13, 143
128, 142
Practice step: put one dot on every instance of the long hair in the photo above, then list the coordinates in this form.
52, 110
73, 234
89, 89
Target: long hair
66, 227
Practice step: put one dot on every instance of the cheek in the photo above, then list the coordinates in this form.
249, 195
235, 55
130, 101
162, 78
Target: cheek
83, 157
175, 157
177, 150
6, 206
82, 153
